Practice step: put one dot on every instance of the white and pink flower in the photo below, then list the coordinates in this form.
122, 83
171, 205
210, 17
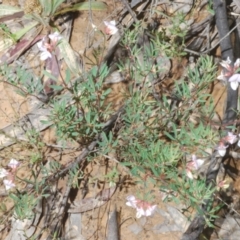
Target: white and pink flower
14, 164
55, 37
222, 148
111, 28
47, 48
9, 184
10, 175
143, 208
230, 73
230, 138
3, 172
193, 166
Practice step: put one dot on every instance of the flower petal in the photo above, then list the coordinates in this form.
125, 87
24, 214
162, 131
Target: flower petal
237, 63
3, 172
8, 184
231, 138
199, 163
13, 163
226, 63
189, 174
94, 27
235, 78
222, 152
234, 85
131, 201
140, 212
222, 77
150, 210
45, 55
41, 46
113, 23
55, 36
111, 28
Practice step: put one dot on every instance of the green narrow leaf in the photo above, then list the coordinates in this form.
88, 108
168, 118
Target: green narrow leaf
56, 87
48, 74
169, 135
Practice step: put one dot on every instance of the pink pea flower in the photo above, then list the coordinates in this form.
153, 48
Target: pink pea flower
44, 48
111, 28
8, 184
226, 64
221, 148
193, 165
55, 37
47, 48
197, 163
14, 164
222, 77
143, 208
230, 73
3, 172
230, 138
234, 81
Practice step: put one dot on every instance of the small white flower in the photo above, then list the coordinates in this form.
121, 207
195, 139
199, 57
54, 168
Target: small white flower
221, 148
131, 201
237, 63
234, 81
145, 212
226, 63
193, 165
143, 208
3, 173
222, 77
222, 152
13, 163
55, 36
8, 184
197, 162
230, 138
230, 73
94, 27
45, 53
111, 28
47, 48
189, 173
41, 45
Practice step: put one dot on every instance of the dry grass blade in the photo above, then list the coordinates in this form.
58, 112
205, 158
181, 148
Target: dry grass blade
71, 58
8, 10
